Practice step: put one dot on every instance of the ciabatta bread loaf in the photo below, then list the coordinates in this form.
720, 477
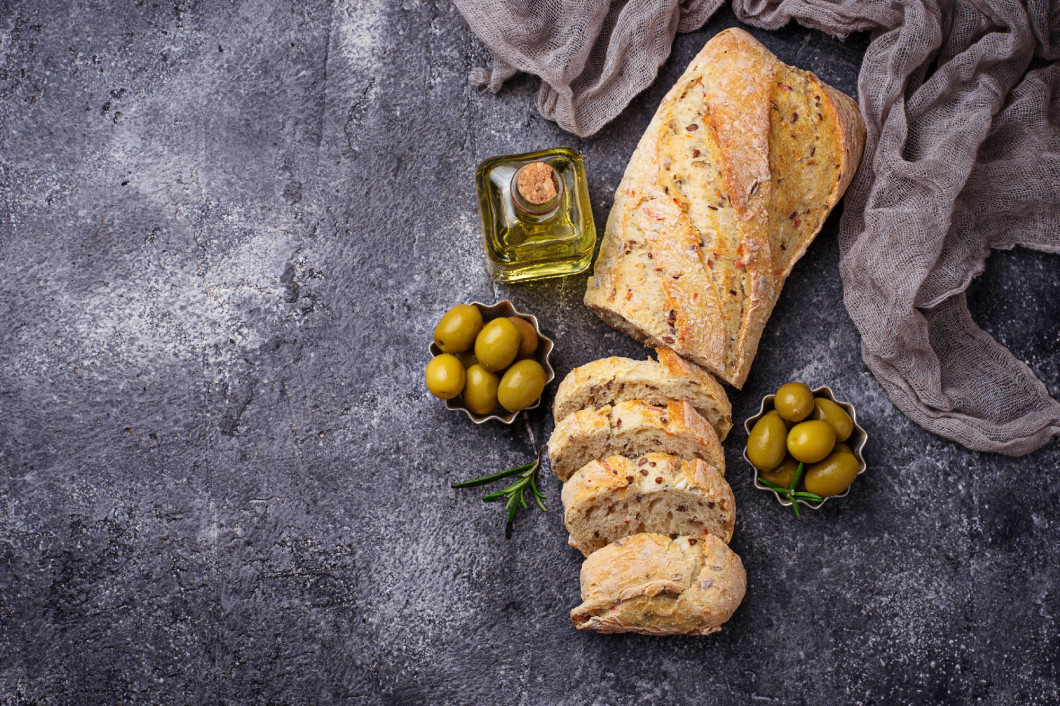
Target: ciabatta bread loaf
607, 500
611, 380
655, 585
730, 183
630, 429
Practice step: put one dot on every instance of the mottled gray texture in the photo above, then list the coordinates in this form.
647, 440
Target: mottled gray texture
226, 233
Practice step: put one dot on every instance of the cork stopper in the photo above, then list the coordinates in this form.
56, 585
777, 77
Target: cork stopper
536, 189
537, 183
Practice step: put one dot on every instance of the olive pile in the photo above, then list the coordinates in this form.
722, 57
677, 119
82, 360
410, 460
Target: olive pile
489, 364
804, 429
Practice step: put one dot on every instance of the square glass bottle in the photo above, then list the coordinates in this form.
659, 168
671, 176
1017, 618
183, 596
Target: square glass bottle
536, 216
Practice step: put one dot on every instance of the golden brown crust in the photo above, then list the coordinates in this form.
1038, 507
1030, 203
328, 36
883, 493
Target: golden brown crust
657, 492
704, 229
848, 115
615, 379
653, 585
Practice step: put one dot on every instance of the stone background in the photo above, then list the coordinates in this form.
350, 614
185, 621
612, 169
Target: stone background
227, 231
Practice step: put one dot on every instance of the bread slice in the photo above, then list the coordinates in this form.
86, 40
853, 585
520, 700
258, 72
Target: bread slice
607, 500
730, 183
655, 585
629, 429
610, 380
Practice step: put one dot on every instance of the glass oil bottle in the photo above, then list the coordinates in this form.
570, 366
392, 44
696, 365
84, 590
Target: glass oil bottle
536, 215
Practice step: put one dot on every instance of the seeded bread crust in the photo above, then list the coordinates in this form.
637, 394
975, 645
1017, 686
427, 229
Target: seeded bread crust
629, 429
654, 585
729, 185
607, 500
612, 380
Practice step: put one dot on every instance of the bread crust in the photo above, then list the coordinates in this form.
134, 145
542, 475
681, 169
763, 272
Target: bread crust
650, 584
631, 428
618, 484
695, 260
615, 379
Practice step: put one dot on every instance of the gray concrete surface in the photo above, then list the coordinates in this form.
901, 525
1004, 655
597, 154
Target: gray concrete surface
226, 233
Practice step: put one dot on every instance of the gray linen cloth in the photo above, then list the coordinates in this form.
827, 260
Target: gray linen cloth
962, 104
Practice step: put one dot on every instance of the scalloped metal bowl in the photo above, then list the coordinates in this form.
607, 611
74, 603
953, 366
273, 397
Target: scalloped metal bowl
857, 440
544, 350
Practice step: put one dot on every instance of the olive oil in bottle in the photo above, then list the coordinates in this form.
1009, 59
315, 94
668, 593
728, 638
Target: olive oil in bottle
536, 216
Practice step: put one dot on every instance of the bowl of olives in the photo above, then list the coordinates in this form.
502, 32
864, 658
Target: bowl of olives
489, 361
799, 426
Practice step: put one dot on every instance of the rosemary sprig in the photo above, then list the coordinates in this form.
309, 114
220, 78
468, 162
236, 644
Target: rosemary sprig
496, 476
516, 492
790, 493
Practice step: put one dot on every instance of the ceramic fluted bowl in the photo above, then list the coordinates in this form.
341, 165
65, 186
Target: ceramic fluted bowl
856, 442
544, 350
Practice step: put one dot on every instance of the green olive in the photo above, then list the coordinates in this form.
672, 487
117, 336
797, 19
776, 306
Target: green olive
833, 475
765, 444
828, 411
811, 441
842, 447
783, 474
527, 336
467, 359
456, 332
497, 345
794, 401
521, 385
480, 391
445, 376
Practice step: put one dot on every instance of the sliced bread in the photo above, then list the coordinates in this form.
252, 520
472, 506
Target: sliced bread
611, 380
655, 585
632, 428
607, 500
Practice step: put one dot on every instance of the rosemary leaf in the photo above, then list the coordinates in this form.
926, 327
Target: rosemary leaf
533, 487
792, 494
495, 496
773, 486
795, 479
513, 487
538, 496
489, 479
